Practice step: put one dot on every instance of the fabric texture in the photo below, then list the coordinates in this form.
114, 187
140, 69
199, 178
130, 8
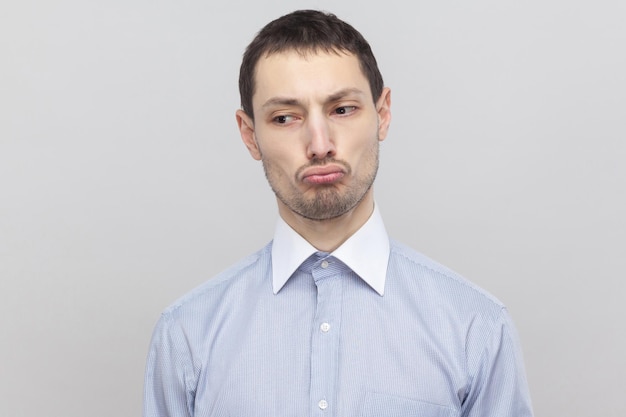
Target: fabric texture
417, 341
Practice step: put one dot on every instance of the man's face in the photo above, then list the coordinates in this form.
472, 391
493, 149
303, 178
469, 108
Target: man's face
316, 130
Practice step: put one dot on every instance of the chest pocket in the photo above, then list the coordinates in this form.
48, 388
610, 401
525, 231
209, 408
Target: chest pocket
383, 405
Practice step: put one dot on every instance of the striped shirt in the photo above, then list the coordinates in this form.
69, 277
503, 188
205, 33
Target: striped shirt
372, 329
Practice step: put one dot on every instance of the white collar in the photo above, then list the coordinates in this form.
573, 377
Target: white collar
366, 252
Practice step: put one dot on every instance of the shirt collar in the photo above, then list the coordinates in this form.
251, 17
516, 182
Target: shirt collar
366, 252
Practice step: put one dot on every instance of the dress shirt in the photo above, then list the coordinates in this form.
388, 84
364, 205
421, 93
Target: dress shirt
366, 252
372, 329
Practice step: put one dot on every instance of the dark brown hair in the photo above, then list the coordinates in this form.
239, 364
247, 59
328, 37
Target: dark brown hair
306, 31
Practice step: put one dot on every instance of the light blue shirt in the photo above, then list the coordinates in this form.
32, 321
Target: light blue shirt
372, 329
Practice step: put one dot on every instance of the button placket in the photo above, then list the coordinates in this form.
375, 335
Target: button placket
325, 338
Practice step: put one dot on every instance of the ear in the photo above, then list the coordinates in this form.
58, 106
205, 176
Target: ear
383, 108
246, 129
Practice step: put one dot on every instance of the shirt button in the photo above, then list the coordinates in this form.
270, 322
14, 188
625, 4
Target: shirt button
325, 327
323, 404
324, 264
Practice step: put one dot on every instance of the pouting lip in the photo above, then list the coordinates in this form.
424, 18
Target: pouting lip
322, 170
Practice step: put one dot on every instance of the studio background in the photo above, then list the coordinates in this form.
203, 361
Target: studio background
124, 184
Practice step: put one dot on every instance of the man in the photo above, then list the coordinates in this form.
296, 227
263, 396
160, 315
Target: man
331, 318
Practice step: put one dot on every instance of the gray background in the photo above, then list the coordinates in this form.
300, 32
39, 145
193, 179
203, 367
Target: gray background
124, 184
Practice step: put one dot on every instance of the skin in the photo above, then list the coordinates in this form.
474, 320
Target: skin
317, 131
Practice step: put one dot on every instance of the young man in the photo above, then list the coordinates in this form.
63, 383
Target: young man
331, 318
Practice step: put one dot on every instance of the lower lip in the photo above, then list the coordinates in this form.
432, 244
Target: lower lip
324, 179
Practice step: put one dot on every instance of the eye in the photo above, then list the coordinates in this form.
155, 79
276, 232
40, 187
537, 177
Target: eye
283, 119
343, 110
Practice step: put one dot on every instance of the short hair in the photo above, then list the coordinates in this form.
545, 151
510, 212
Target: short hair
306, 31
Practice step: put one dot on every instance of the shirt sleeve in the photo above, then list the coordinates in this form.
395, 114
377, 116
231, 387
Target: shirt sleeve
499, 387
169, 373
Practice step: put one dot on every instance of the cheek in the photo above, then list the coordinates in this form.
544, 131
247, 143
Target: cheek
278, 144
363, 147
281, 164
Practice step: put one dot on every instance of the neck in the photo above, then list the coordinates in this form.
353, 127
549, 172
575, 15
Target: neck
328, 235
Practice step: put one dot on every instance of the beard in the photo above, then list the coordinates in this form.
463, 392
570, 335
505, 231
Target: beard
328, 201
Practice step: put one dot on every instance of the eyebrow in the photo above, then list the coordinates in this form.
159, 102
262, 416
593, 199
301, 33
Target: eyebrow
280, 101
286, 101
345, 92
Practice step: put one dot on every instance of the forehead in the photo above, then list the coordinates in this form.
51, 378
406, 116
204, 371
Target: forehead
307, 76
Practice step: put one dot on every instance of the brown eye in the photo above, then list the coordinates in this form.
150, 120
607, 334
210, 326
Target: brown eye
283, 119
345, 110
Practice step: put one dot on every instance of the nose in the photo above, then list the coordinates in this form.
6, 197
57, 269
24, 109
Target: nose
320, 144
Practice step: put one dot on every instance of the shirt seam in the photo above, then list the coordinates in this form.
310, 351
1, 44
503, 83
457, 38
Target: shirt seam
191, 383
218, 280
500, 319
449, 275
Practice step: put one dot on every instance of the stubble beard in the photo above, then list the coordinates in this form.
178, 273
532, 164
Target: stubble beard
328, 201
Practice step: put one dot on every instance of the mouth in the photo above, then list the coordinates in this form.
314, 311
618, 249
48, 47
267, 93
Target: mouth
321, 175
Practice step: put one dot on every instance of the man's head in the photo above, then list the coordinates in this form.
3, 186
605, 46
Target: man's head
306, 31
318, 119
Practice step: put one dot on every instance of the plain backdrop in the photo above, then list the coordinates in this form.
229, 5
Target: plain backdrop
124, 183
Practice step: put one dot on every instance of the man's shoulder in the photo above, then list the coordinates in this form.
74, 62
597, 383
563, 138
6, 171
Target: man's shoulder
429, 274
248, 272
